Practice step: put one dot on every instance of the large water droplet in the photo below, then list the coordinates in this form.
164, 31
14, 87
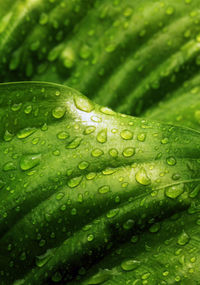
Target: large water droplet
128, 152
171, 160
83, 104
97, 152
129, 265
183, 239
74, 182
9, 166
29, 161
142, 177
102, 136
74, 144
174, 191
25, 133
126, 135
89, 130
83, 165
104, 189
58, 112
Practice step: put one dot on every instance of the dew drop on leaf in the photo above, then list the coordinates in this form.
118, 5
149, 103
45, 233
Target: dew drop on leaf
129, 265
29, 161
142, 177
83, 104
102, 136
58, 112
126, 135
104, 189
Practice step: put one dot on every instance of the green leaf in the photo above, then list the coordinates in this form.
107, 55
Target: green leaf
77, 179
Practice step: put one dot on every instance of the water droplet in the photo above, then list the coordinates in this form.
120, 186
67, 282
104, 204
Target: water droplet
58, 112
183, 239
102, 136
9, 166
129, 265
44, 258
59, 196
195, 192
83, 165
29, 161
90, 237
174, 191
112, 213
90, 175
96, 119
109, 171
104, 189
154, 228
74, 182
8, 136
164, 141
142, 177
107, 111
83, 104
128, 152
28, 109
126, 135
62, 135
141, 137
74, 144
22, 134
171, 160
113, 152
89, 130
97, 152
16, 107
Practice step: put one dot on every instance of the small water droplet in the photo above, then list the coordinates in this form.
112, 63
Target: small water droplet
171, 160
9, 166
97, 152
154, 228
141, 137
183, 239
62, 135
83, 165
104, 189
89, 130
8, 136
90, 237
112, 213
59, 196
113, 152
